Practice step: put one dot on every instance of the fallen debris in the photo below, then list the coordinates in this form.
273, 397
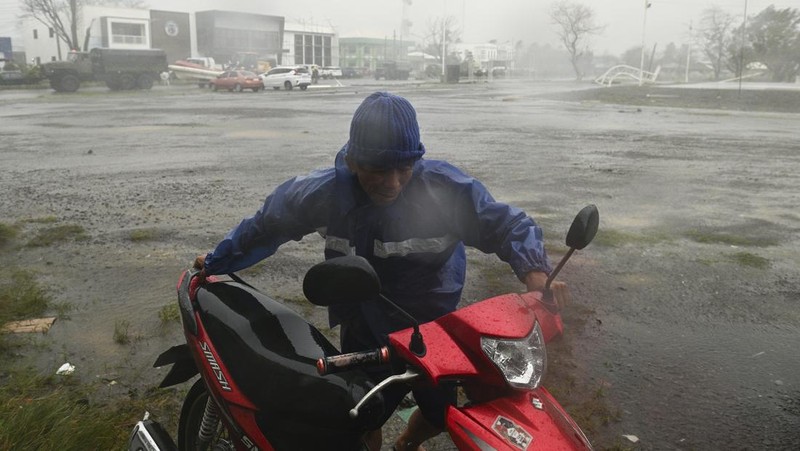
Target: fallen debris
29, 325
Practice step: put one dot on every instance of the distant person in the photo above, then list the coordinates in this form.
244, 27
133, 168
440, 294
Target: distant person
411, 218
165, 76
314, 75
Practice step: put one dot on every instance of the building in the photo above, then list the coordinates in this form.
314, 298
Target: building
123, 28
487, 55
309, 44
226, 35
370, 53
223, 35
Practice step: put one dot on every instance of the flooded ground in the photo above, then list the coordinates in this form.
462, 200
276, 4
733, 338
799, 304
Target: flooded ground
688, 301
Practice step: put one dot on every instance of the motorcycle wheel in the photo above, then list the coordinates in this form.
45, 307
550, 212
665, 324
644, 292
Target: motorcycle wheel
191, 420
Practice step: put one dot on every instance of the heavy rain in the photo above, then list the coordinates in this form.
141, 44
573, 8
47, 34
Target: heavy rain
126, 152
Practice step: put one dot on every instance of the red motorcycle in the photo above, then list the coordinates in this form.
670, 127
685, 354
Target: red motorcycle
272, 381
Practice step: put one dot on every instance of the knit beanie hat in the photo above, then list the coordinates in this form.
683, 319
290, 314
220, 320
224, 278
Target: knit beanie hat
384, 132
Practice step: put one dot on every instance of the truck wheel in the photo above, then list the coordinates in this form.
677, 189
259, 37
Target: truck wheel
113, 84
69, 83
145, 81
127, 81
288, 85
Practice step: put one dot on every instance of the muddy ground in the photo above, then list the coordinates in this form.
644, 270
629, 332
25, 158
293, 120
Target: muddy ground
686, 319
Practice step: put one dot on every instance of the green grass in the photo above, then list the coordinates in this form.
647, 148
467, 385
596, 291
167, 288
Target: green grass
58, 234
140, 235
713, 237
616, 238
750, 260
122, 332
169, 313
7, 233
41, 220
21, 297
58, 413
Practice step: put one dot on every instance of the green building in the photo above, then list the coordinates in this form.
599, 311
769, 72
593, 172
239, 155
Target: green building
370, 53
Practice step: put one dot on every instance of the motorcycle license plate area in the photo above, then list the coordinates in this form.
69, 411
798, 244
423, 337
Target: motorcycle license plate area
528, 421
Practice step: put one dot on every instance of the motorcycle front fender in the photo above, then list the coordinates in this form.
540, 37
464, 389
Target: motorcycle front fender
531, 420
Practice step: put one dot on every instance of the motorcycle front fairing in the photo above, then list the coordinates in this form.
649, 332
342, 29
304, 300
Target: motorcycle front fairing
507, 419
522, 420
453, 341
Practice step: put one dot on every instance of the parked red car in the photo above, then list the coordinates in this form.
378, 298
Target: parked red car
237, 80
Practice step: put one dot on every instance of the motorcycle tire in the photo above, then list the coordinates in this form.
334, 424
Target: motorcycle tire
191, 419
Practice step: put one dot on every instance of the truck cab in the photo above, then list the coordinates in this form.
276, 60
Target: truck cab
66, 76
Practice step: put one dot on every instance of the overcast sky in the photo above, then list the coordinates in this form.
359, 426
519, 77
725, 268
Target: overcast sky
481, 20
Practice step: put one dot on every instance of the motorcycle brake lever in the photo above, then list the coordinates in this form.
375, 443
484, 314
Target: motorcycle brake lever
408, 376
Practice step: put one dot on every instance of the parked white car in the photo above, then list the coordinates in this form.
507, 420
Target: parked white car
287, 77
330, 72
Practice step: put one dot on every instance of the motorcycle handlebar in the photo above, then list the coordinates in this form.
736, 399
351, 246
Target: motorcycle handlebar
342, 362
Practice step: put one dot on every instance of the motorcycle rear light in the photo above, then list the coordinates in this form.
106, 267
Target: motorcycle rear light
522, 362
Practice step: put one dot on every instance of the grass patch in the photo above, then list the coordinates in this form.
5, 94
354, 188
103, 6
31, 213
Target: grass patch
57, 413
21, 297
122, 332
750, 260
7, 233
140, 235
41, 220
617, 238
58, 234
712, 237
169, 313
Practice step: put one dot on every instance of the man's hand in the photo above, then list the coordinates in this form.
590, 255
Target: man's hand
537, 280
200, 264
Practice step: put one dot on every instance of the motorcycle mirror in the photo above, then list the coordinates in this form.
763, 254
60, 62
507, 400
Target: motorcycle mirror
581, 233
341, 280
583, 228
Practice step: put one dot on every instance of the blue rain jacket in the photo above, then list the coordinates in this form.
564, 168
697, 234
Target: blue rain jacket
416, 244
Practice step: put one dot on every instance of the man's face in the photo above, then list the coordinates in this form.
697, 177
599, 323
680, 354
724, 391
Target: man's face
383, 186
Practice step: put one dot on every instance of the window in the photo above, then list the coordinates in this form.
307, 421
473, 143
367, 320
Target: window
35, 34
128, 33
52, 33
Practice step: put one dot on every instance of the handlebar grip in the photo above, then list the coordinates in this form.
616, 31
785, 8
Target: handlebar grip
334, 364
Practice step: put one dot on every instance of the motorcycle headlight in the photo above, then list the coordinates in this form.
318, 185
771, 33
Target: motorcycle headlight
522, 362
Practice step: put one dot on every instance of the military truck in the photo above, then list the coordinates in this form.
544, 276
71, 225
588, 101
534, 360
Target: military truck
118, 68
393, 70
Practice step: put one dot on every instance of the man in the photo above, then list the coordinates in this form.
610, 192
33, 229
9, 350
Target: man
411, 218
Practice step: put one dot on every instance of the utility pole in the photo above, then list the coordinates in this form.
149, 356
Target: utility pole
741, 49
688, 53
644, 25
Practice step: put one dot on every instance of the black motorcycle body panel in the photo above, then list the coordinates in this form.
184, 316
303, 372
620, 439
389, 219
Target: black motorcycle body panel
270, 353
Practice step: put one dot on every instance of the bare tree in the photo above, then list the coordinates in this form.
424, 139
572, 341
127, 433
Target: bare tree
63, 15
715, 36
438, 28
576, 24
60, 15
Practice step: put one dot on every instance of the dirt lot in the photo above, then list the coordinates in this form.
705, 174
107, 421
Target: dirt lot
686, 322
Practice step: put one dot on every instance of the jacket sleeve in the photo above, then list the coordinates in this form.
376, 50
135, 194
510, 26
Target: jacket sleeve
499, 228
296, 208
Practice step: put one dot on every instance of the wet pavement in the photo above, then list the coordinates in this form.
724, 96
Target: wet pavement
689, 294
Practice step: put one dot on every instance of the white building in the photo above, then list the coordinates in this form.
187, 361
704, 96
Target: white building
98, 26
309, 44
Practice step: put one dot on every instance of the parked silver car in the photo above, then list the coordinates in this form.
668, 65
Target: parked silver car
287, 77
